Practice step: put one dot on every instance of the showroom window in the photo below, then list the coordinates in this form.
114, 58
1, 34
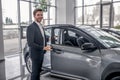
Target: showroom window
52, 15
116, 0
116, 18
10, 27
10, 19
91, 2
106, 1
100, 13
79, 17
24, 12
91, 16
79, 2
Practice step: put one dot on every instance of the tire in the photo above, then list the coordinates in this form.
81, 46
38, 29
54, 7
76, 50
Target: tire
28, 62
115, 76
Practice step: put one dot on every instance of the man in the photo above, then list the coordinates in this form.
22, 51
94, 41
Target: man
36, 39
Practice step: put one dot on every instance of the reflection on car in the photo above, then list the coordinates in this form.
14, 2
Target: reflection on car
82, 52
113, 31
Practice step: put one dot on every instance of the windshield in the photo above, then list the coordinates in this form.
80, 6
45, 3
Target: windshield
104, 37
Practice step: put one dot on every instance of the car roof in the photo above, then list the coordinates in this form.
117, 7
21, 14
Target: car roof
59, 25
116, 31
113, 29
68, 26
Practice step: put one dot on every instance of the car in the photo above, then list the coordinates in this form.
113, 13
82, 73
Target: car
113, 31
81, 52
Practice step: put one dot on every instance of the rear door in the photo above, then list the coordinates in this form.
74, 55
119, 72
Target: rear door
68, 59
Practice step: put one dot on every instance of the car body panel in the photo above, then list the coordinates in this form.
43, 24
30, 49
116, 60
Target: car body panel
74, 61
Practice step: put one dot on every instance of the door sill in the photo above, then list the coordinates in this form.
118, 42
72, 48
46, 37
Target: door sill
67, 76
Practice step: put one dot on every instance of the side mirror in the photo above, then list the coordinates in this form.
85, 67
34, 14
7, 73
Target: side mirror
88, 46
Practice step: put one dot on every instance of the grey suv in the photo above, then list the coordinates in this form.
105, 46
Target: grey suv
82, 52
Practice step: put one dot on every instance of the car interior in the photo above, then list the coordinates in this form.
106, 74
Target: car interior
75, 40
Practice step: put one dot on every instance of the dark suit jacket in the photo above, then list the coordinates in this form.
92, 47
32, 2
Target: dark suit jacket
35, 40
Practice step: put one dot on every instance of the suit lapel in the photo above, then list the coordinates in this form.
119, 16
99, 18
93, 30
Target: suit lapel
40, 31
35, 24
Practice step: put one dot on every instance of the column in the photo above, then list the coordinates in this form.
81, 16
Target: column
2, 62
1, 35
65, 11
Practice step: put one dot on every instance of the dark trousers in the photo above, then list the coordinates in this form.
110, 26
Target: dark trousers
36, 67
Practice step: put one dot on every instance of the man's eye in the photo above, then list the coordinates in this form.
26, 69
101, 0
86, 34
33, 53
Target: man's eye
39, 15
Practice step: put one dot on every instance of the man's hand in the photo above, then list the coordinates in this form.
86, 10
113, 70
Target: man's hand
47, 48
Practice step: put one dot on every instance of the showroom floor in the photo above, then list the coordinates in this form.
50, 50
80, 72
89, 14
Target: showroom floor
12, 65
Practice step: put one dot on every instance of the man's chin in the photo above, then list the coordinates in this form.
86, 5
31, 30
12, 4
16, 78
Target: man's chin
39, 21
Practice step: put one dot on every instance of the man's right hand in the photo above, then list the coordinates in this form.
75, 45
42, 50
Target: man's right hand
47, 48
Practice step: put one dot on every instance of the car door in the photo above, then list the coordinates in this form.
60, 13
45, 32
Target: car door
70, 60
47, 59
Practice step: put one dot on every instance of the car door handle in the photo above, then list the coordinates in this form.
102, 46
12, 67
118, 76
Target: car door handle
58, 51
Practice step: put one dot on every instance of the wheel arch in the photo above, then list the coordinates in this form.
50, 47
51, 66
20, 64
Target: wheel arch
113, 68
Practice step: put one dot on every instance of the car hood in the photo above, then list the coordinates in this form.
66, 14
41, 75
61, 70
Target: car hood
117, 50
111, 55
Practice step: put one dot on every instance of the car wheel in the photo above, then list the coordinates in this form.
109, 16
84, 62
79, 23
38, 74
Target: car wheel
28, 63
115, 78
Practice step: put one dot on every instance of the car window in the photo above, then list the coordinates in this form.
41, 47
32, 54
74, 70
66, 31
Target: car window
56, 36
48, 34
104, 37
71, 33
72, 38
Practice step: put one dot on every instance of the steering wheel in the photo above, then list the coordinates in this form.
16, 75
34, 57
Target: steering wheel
80, 41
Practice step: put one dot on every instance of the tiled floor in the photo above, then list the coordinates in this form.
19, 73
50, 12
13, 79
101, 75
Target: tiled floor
12, 65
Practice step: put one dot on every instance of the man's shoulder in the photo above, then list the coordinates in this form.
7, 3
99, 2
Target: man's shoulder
31, 25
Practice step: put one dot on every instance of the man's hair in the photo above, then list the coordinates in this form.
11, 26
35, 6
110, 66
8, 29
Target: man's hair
36, 10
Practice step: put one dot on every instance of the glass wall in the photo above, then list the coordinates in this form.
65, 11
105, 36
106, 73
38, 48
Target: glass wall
15, 25
91, 2
116, 14
99, 13
79, 15
79, 2
52, 15
10, 20
10, 27
87, 12
24, 13
91, 15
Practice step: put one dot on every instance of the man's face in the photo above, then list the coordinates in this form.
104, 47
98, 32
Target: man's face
38, 16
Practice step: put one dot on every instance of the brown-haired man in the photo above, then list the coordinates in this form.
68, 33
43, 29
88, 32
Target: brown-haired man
36, 39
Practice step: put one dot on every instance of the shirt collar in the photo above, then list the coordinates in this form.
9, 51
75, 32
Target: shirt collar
37, 23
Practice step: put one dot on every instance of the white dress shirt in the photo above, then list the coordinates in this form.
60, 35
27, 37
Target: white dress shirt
41, 30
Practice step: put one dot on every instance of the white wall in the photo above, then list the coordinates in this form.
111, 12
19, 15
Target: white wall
1, 35
2, 63
65, 11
